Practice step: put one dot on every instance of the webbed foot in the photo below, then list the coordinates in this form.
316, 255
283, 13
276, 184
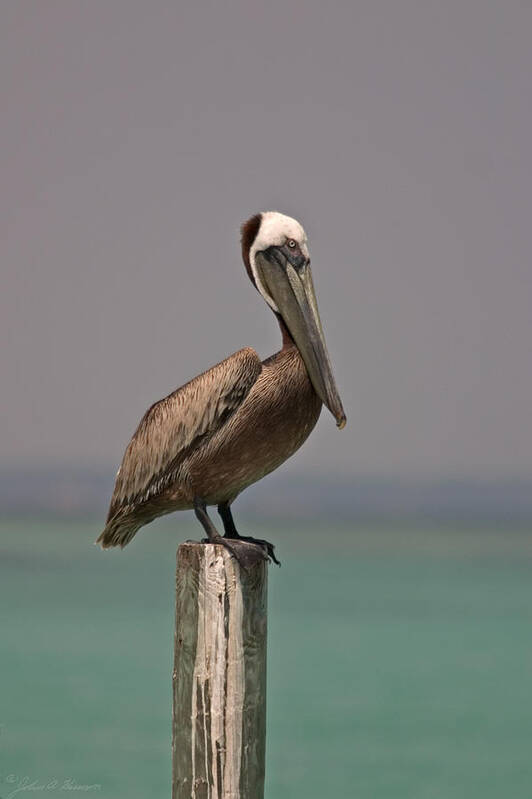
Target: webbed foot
247, 552
266, 546
231, 533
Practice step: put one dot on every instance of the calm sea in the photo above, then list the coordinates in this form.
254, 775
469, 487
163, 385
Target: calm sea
400, 661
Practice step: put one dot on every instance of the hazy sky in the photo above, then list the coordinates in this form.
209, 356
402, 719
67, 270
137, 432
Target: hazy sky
137, 136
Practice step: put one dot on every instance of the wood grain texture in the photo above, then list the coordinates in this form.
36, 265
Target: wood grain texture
219, 678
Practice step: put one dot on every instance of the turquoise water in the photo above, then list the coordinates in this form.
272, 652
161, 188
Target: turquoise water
400, 662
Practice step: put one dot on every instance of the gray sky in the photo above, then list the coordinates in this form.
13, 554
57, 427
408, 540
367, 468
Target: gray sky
137, 136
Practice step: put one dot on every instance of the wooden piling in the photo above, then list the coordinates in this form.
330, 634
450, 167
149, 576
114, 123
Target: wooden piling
219, 677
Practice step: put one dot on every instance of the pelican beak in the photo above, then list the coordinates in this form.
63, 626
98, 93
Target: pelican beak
287, 278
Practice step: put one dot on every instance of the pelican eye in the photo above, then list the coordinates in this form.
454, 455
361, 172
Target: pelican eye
292, 243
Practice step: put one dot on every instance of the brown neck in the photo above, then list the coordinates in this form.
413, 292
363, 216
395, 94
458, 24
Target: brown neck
249, 232
288, 341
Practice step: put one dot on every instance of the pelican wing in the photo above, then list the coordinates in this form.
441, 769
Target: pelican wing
175, 425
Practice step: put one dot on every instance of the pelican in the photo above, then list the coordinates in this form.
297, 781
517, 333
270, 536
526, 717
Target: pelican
227, 428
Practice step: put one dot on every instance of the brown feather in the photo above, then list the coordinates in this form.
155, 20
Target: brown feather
249, 232
275, 418
173, 427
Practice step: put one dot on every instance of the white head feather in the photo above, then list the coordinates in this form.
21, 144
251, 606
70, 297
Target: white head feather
275, 228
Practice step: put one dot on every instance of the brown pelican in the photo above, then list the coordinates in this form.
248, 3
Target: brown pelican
238, 421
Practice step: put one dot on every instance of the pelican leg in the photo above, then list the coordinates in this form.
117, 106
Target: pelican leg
245, 554
224, 509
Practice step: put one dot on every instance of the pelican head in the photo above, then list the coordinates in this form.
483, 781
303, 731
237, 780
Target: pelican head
275, 252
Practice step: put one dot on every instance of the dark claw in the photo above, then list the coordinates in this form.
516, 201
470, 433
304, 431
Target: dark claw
231, 533
265, 545
247, 553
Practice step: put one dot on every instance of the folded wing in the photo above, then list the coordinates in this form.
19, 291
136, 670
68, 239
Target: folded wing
174, 426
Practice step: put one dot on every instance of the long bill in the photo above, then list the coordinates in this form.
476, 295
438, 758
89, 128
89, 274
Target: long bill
292, 290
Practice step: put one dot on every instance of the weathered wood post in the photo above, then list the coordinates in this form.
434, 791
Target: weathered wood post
219, 677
